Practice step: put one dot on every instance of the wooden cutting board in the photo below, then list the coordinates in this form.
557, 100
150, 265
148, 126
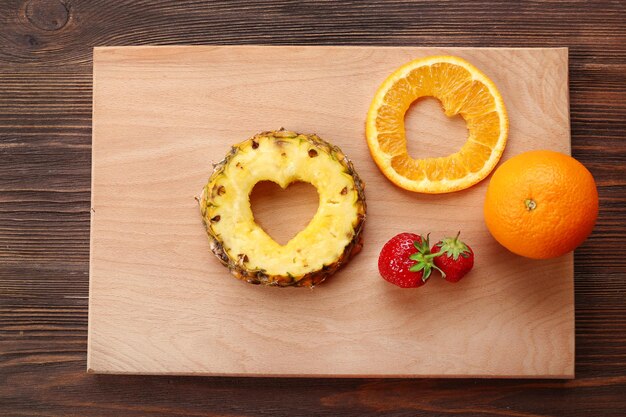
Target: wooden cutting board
161, 304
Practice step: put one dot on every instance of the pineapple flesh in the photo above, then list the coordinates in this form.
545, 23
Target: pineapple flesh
332, 237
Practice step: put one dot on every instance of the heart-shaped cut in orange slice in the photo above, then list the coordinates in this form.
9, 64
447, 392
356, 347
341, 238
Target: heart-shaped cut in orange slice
462, 89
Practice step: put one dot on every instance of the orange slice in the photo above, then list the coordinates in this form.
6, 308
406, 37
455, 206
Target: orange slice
462, 89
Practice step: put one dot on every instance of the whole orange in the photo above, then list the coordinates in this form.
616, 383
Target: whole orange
541, 204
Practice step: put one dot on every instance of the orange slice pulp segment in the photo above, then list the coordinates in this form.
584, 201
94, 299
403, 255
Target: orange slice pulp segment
462, 89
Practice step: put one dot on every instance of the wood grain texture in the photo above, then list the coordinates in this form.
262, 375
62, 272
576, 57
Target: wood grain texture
161, 304
45, 139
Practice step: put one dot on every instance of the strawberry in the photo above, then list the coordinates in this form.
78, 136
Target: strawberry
453, 257
405, 260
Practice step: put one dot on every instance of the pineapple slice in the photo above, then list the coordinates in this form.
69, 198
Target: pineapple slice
332, 237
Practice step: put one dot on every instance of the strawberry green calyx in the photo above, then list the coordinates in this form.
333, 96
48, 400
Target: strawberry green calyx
454, 248
424, 258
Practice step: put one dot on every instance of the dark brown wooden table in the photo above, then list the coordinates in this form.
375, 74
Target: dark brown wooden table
45, 144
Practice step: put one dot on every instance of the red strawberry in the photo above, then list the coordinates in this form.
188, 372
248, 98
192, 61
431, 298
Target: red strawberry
406, 261
453, 257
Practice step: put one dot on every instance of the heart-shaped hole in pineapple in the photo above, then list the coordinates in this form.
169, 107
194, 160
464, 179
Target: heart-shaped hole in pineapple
283, 213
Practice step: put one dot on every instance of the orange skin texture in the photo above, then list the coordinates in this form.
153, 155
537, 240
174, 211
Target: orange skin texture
565, 205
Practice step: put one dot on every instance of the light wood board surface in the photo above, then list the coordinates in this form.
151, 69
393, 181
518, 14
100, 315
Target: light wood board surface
161, 304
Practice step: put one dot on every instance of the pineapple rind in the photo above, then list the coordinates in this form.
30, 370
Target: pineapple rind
284, 157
